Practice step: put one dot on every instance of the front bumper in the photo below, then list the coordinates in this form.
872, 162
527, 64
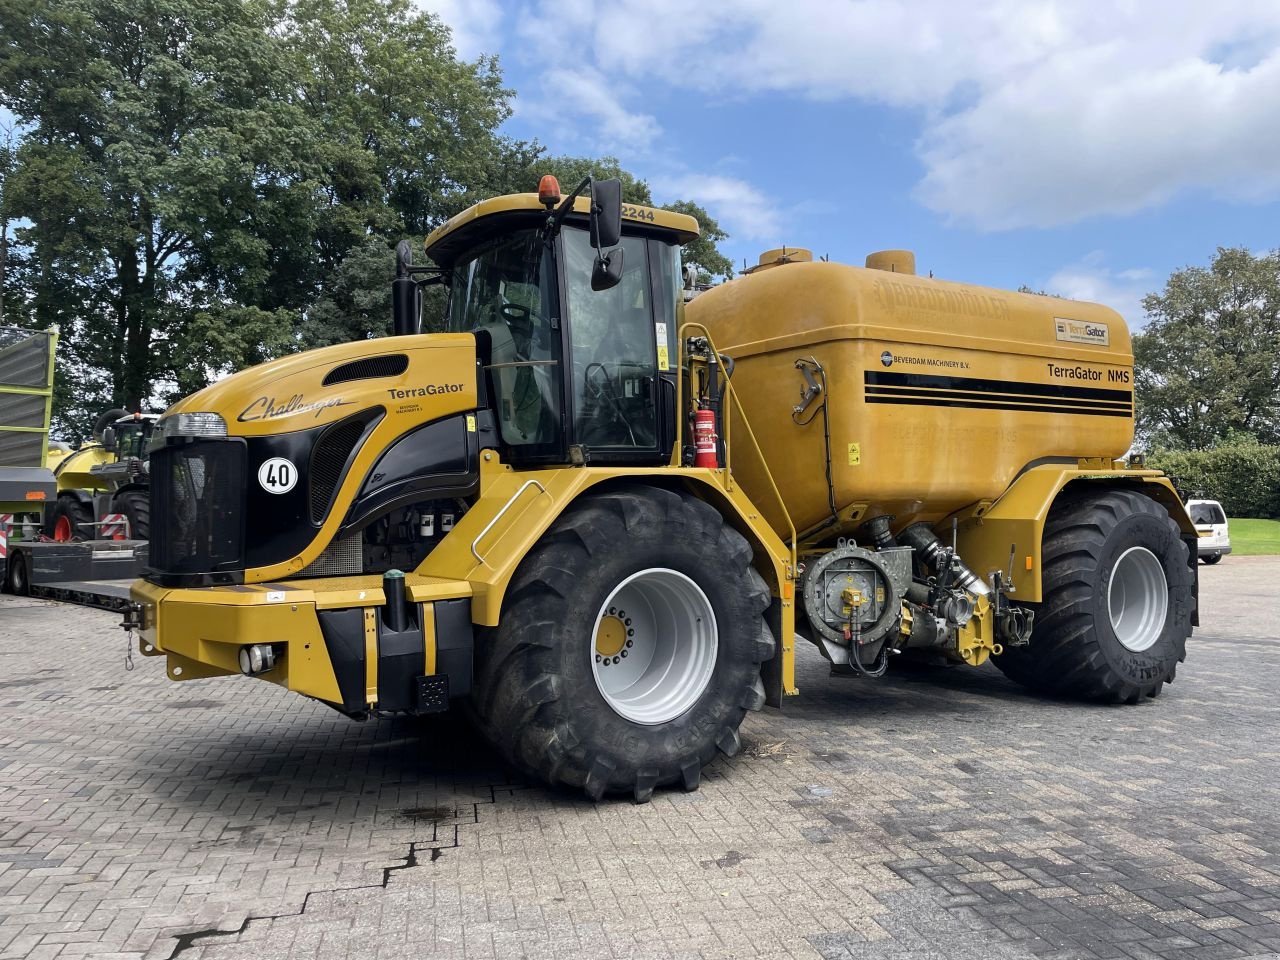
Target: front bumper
330, 638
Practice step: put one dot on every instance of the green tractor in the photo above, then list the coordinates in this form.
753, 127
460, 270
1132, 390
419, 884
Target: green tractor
104, 480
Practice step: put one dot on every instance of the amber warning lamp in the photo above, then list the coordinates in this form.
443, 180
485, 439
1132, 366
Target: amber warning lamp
549, 191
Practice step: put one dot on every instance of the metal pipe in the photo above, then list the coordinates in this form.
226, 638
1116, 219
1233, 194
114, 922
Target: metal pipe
393, 614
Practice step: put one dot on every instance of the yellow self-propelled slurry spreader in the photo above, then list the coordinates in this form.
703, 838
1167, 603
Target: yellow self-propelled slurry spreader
595, 510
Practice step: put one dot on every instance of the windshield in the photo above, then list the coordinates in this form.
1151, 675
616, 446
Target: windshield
503, 291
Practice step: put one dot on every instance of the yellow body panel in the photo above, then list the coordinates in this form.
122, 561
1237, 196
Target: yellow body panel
73, 469
987, 531
685, 227
921, 459
200, 626
289, 394
208, 624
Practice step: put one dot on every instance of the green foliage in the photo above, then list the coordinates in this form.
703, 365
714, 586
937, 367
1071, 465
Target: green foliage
571, 171
1241, 473
1207, 365
704, 253
200, 185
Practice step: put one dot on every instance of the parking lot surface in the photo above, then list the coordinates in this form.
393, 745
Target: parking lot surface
935, 814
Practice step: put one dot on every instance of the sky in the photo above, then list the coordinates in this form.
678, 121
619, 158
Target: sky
1080, 147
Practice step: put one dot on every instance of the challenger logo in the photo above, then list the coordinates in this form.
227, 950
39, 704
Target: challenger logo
886, 358
266, 408
430, 390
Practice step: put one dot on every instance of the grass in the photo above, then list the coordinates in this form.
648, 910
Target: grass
1254, 538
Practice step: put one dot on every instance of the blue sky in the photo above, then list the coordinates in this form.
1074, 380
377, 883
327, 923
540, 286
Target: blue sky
1085, 148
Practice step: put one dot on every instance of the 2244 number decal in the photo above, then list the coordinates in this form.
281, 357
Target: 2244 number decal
637, 213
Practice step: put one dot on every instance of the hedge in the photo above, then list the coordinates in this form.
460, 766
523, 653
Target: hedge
1243, 475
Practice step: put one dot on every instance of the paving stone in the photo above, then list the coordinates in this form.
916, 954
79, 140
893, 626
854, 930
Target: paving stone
937, 814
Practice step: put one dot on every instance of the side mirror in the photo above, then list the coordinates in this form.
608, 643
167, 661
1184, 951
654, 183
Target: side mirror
606, 213
109, 440
607, 272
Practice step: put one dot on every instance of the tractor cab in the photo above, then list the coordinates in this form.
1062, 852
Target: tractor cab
573, 305
129, 437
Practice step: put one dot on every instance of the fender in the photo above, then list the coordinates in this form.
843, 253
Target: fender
516, 508
987, 530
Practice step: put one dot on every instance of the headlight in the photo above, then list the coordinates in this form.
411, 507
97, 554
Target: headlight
194, 425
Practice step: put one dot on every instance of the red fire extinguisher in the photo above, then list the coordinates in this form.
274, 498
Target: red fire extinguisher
704, 436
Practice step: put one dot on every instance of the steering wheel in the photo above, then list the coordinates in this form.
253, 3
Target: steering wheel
526, 332
516, 313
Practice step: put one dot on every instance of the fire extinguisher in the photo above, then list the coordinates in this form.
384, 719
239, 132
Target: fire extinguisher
704, 436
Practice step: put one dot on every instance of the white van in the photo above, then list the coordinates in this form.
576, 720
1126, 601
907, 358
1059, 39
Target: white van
1211, 525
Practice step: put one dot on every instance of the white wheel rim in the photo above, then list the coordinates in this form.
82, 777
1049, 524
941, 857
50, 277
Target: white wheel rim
654, 644
1138, 599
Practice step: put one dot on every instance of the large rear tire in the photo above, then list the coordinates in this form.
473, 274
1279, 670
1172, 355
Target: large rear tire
1118, 599
136, 506
629, 647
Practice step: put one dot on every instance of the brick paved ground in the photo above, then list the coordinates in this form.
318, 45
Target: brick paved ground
941, 815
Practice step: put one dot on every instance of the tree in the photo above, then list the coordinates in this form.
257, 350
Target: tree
1207, 365
6, 166
571, 171
704, 253
195, 174
159, 139
200, 185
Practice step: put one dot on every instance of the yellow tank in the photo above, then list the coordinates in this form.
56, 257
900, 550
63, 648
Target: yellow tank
938, 393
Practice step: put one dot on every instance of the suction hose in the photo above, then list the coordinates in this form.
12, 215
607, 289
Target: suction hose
921, 538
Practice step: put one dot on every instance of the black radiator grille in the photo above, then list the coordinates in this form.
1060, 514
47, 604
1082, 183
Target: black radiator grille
197, 507
329, 459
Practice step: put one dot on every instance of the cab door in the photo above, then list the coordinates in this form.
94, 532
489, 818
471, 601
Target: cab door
613, 390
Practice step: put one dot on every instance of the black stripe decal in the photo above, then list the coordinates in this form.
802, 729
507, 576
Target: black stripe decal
975, 404
1121, 405
1019, 387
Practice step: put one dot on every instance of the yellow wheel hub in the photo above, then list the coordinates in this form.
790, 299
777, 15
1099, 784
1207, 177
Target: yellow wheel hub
611, 637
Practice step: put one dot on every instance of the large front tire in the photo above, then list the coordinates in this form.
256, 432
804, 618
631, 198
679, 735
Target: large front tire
136, 507
657, 574
1118, 599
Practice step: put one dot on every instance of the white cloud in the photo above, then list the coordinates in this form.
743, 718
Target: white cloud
476, 24
744, 211
588, 108
1032, 112
1091, 279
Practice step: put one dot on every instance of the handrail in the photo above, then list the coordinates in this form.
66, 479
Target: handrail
499, 515
730, 393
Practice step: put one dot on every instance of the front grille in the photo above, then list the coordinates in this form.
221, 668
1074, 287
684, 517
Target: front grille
329, 459
340, 558
197, 507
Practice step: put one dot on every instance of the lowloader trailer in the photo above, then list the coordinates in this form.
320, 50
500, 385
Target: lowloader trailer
602, 516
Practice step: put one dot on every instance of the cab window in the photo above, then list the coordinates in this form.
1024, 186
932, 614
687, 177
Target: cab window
503, 290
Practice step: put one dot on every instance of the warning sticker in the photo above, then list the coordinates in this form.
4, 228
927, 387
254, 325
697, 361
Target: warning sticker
1078, 331
855, 454
664, 353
